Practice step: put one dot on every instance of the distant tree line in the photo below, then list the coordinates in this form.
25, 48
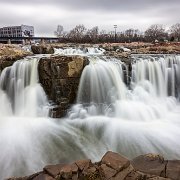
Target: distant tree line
156, 32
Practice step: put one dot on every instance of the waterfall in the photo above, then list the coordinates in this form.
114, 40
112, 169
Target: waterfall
141, 117
101, 84
19, 86
163, 74
23, 107
131, 119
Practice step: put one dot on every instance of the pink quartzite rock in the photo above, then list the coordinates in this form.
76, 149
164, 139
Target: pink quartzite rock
83, 164
43, 177
173, 169
115, 161
53, 170
150, 164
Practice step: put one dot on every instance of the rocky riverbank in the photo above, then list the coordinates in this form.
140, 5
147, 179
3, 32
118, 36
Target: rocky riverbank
11, 53
112, 166
125, 50
134, 47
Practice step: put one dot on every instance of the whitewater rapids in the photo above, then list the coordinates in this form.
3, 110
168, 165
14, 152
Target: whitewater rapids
143, 117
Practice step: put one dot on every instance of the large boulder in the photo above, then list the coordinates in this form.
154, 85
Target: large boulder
150, 164
173, 169
42, 49
60, 76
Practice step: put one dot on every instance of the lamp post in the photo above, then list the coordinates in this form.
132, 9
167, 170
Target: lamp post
115, 27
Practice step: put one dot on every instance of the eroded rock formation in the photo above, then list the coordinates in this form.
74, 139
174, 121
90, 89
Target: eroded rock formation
42, 49
59, 76
112, 166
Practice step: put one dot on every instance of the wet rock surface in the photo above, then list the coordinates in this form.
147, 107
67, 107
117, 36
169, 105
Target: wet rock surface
112, 166
60, 76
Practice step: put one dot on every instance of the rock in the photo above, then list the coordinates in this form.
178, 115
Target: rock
173, 169
43, 177
66, 172
91, 173
60, 76
20, 178
53, 170
34, 175
133, 175
150, 164
83, 164
107, 172
112, 167
115, 161
123, 173
42, 49
69, 171
156, 178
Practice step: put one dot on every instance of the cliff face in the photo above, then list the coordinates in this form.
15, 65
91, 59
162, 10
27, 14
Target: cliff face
60, 76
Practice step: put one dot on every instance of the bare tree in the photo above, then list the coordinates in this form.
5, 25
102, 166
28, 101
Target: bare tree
129, 32
59, 31
77, 34
92, 34
175, 30
155, 31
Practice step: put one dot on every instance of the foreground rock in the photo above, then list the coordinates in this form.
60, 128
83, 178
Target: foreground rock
9, 54
60, 76
112, 167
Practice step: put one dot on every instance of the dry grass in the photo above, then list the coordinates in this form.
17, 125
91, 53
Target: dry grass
11, 51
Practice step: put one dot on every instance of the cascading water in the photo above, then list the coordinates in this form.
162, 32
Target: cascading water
20, 83
82, 51
143, 118
139, 118
162, 73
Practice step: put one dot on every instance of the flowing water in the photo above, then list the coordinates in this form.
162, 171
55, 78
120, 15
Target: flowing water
133, 119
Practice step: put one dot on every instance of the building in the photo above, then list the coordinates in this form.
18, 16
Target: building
17, 31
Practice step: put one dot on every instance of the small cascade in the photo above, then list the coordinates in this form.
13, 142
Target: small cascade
22, 90
83, 51
101, 84
162, 73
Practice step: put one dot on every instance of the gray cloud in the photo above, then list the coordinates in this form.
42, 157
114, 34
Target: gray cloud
46, 14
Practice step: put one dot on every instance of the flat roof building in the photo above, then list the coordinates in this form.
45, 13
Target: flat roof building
17, 31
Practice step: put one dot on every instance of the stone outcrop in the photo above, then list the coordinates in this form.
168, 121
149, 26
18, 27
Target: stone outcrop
9, 54
42, 49
112, 166
59, 76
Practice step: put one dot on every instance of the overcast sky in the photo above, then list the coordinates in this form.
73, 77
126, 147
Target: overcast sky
45, 15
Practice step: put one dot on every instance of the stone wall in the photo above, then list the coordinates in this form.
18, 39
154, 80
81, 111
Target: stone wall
60, 76
112, 166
